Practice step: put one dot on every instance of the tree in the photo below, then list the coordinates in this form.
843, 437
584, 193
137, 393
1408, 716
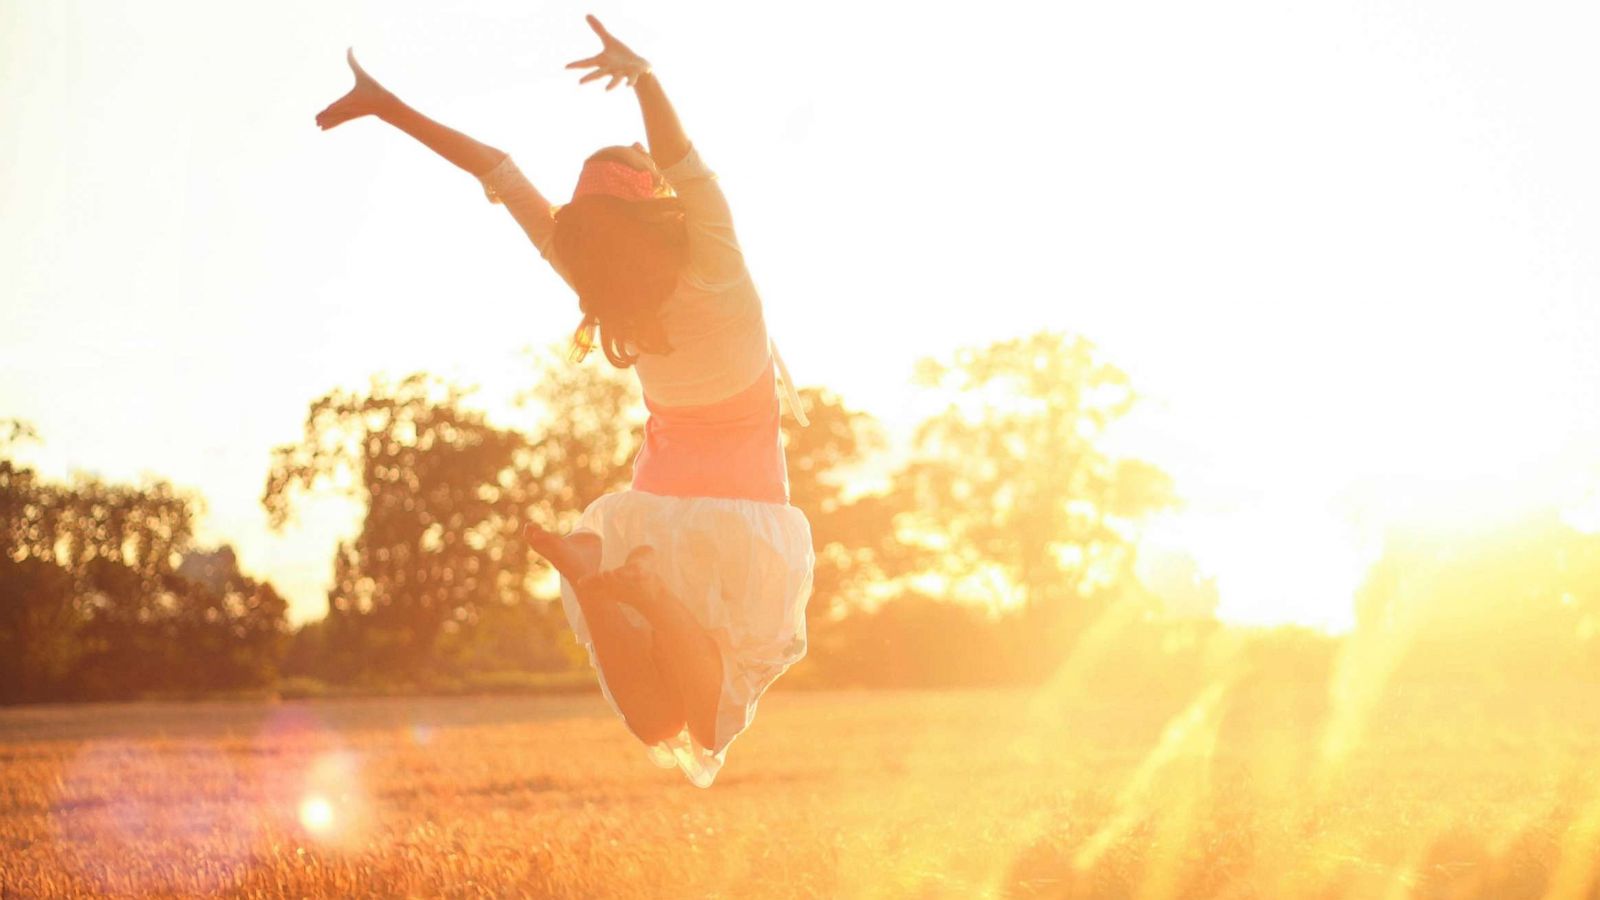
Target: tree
914, 640
443, 507
421, 589
233, 628
37, 618
588, 424
38, 628
102, 594
854, 536
89, 568
1012, 483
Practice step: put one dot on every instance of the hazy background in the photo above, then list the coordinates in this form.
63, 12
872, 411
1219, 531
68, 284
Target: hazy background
1346, 251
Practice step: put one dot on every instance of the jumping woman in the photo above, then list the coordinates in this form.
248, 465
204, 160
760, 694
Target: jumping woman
689, 589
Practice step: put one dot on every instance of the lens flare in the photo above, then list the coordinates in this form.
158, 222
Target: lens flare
333, 808
168, 802
316, 815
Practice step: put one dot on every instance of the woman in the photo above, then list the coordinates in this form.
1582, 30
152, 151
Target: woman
689, 589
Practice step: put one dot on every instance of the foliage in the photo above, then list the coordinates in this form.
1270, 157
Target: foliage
39, 628
1011, 484
439, 540
854, 535
913, 641
435, 583
1014, 473
439, 582
103, 594
588, 425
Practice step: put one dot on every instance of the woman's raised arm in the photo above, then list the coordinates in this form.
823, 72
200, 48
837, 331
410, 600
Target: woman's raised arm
668, 143
369, 98
714, 254
500, 177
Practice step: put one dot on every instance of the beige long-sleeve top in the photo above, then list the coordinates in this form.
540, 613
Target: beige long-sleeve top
713, 319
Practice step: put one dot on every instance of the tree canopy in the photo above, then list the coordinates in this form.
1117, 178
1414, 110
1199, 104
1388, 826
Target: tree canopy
103, 593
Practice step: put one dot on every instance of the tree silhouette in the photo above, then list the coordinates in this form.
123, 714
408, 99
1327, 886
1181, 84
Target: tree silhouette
38, 628
102, 594
439, 537
1012, 478
588, 423
424, 588
854, 535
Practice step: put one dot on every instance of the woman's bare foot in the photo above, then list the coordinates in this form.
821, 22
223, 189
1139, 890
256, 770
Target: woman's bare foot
367, 98
636, 580
576, 556
641, 559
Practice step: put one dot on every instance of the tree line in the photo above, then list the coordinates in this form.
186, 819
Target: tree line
985, 552
104, 594
1021, 495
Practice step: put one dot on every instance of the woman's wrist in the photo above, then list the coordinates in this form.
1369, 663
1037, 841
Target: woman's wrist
388, 107
647, 83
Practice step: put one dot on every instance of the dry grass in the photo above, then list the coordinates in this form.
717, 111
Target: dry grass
856, 795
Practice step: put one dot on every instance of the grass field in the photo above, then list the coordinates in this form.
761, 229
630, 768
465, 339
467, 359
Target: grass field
956, 794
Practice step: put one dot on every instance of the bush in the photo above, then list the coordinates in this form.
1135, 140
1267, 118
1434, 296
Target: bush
301, 687
576, 681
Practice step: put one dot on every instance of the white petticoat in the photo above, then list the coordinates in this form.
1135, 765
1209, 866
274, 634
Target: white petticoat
741, 567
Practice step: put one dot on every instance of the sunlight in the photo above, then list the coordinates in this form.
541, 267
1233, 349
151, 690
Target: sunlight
1584, 512
1276, 562
1179, 758
1294, 592
316, 815
333, 808
1576, 865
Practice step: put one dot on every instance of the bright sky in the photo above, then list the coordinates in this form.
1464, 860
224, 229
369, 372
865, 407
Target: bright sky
1347, 250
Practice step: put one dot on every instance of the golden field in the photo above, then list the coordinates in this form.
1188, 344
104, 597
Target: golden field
1232, 792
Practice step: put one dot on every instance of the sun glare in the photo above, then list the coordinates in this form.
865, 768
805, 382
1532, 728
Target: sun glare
1584, 513
316, 815
1270, 563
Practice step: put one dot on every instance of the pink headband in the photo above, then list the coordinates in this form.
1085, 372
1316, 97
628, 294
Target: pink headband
614, 179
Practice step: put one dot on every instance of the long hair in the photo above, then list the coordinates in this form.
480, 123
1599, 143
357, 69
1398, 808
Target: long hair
624, 258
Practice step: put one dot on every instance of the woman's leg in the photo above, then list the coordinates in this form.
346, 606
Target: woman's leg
686, 656
650, 704
369, 98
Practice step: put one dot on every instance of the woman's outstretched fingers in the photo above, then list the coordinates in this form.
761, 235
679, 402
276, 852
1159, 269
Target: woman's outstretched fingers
605, 36
335, 113
614, 61
365, 99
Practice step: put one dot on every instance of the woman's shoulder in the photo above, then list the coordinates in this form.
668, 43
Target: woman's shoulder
688, 169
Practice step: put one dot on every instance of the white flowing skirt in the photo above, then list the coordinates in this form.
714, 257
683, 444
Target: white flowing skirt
742, 568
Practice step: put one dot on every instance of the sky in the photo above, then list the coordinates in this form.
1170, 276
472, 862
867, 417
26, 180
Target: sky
1345, 251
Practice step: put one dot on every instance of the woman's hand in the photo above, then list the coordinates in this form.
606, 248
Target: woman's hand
614, 61
367, 98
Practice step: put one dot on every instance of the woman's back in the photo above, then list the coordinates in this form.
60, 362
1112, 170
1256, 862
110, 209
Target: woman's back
713, 319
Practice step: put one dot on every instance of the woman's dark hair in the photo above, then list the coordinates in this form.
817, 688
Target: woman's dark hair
624, 258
